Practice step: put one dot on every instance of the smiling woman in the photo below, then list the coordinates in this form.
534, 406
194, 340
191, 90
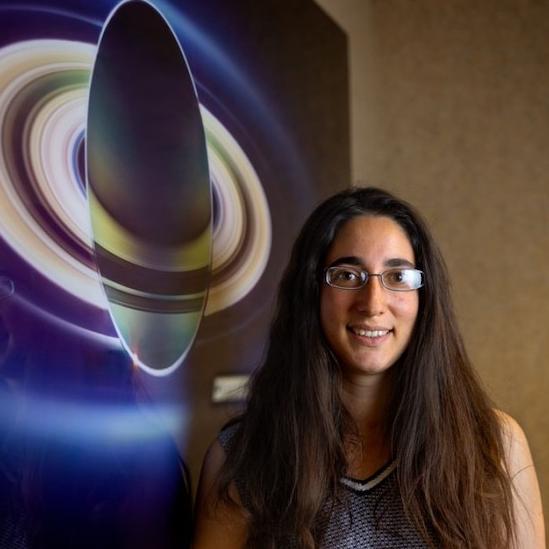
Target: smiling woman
366, 426
369, 327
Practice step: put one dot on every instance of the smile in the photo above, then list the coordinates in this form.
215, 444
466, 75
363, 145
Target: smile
368, 333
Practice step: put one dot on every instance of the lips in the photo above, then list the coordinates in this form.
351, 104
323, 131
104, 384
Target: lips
369, 337
368, 332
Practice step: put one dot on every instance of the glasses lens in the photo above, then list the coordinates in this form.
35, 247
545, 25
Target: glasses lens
402, 280
344, 277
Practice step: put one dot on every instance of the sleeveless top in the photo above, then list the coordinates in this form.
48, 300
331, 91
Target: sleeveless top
368, 513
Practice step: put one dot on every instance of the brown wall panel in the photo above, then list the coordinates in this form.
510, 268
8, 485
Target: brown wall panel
450, 109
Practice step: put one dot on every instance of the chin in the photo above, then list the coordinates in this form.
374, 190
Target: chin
370, 368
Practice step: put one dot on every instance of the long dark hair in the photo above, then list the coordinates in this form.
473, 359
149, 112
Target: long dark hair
287, 455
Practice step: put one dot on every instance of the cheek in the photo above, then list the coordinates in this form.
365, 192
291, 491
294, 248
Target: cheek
406, 309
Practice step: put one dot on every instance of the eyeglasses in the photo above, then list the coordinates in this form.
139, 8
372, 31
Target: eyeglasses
400, 279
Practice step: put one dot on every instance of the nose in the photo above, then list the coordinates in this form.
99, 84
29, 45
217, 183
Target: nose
371, 298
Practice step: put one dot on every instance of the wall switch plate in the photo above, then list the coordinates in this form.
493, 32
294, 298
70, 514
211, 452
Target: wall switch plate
230, 388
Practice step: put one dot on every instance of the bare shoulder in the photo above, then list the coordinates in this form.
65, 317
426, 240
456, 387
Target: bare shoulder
217, 524
516, 445
529, 522
211, 466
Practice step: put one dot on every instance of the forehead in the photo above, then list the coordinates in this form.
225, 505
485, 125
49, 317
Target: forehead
371, 238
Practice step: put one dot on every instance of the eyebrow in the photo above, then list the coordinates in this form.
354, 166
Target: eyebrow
353, 260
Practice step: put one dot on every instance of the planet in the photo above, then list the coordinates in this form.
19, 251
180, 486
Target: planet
44, 212
148, 186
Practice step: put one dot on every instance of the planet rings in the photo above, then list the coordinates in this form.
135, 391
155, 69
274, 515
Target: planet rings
43, 207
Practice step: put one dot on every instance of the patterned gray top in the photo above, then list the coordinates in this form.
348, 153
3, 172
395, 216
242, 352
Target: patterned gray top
369, 513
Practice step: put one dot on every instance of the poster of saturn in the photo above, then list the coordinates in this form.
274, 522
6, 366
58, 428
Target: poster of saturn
156, 161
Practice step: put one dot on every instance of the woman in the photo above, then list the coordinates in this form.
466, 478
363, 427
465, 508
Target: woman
365, 425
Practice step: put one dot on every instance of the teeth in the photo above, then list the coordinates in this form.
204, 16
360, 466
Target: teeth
370, 333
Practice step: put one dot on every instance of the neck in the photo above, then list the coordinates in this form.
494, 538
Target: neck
367, 399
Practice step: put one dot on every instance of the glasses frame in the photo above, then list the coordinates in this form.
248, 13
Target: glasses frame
365, 276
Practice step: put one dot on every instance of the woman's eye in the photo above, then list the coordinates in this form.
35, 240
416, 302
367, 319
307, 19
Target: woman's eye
397, 277
347, 276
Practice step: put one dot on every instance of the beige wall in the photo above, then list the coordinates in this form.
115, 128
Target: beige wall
450, 109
